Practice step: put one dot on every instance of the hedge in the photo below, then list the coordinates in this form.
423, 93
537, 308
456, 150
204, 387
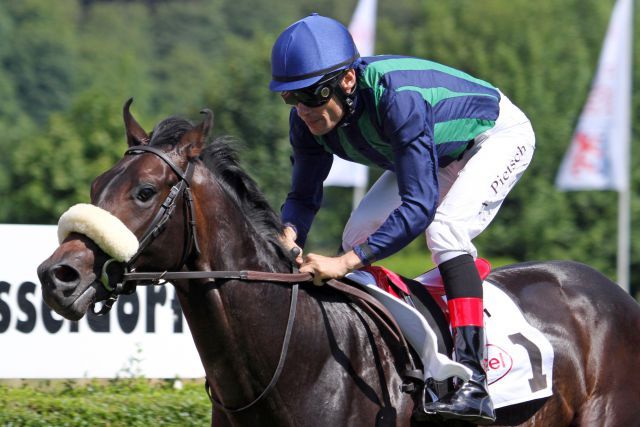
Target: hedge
117, 402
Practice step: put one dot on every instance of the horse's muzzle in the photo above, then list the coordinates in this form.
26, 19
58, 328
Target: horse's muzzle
68, 278
60, 284
60, 278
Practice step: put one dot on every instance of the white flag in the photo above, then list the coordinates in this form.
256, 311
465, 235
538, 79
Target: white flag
598, 157
363, 26
363, 31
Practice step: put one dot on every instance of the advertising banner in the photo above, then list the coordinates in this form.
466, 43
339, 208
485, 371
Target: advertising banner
145, 334
598, 157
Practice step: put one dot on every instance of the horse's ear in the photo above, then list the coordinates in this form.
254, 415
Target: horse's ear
135, 134
193, 141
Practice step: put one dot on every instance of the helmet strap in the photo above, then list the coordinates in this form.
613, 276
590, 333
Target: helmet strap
348, 104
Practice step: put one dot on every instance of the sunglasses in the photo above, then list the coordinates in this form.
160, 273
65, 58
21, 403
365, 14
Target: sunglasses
313, 96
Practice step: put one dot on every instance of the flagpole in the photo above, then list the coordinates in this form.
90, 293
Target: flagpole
624, 195
624, 231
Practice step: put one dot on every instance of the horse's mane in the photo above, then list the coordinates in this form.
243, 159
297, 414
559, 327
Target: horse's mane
221, 158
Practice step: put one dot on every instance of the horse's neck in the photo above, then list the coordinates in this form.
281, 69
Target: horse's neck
236, 326
228, 320
236, 248
232, 242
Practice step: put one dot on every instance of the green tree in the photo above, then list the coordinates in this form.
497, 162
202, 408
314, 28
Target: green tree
42, 56
188, 42
55, 169
248, 111
116, 57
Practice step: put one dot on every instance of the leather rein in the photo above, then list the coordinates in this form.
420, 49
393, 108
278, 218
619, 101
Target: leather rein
127, 275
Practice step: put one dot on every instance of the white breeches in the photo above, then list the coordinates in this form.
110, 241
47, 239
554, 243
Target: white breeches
472, 189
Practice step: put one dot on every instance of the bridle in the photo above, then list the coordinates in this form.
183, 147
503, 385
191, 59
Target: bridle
164, 213
124, 272
127, 274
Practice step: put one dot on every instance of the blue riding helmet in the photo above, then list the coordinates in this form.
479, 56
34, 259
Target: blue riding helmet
308, 50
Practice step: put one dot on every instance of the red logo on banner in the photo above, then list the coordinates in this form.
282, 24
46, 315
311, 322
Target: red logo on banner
497, 364
587, 154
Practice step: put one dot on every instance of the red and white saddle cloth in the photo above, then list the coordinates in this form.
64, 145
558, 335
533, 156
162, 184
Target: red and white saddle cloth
519, 361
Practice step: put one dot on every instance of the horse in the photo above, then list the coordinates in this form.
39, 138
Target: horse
284, 354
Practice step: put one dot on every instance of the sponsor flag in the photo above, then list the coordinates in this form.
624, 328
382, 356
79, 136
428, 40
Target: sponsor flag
598, 157
363, 26
363, 30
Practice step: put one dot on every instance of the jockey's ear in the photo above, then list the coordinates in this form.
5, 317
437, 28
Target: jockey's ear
135, 134
193, 141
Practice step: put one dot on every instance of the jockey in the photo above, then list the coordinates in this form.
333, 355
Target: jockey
452, 147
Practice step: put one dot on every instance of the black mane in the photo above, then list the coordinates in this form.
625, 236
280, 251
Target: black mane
222, 160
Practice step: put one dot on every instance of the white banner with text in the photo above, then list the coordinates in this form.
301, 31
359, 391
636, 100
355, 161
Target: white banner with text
145, 334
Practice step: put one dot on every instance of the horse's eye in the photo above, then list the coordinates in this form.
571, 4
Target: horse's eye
145, 193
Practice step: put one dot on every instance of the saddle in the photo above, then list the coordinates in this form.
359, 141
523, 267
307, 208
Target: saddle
421, 311
422, 291
519, 359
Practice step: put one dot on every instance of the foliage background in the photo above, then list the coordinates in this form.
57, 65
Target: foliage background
131, 402
66, 68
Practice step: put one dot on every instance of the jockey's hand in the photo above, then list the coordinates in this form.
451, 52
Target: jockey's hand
288, 240
323, 268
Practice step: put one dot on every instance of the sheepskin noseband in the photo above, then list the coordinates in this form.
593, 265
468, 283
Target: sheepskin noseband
107, 231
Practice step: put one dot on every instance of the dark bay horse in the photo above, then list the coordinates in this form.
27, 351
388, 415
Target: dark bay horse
341, 368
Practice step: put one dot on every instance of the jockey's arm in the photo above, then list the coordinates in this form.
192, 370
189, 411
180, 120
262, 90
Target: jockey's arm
324, 268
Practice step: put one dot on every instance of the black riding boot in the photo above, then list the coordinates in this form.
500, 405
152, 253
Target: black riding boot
471, 402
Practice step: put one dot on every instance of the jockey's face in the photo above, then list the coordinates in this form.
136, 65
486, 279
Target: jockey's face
321, 120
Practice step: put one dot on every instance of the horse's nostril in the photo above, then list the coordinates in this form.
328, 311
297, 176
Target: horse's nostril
65, 274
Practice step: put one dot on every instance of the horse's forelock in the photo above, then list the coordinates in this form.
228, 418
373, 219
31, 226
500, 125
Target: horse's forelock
169, 131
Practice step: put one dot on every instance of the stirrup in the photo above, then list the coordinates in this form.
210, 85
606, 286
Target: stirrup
412, 381
419, 413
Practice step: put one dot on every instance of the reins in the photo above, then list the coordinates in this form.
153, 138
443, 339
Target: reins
283, 355
367, 302
245, 275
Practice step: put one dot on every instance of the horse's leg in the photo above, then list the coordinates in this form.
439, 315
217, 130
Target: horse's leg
532, 288
569, 375
615, 400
